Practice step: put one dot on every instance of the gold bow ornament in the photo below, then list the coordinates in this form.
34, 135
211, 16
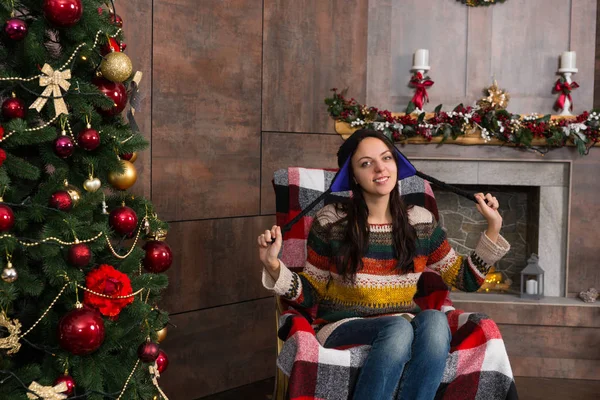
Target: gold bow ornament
47, 392
10, 342
53, 81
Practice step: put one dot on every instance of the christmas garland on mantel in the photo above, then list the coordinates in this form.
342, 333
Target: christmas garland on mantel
478, 3
468, 125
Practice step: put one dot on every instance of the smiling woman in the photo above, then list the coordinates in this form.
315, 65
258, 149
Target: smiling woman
365, 257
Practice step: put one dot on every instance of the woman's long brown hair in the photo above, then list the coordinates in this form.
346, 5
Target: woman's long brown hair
355, 243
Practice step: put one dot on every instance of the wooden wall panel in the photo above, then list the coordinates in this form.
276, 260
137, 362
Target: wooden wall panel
535, 314
552, 342
215, 262
518, 44
550, 367
219, 348
137, 28
311, 46
206, 108
281, 150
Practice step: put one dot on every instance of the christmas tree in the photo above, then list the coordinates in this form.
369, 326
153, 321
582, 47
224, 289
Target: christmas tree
82, 259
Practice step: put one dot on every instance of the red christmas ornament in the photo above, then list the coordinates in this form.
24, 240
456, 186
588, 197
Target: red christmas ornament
123, 220
158, 256
148, 352
111, 46
7, 218
2, 156
63, 146
110, 282
16, 29
80, 255
68, 379
63, 13
61, 200
81, 331
89, 139
162, 362
126, 156
1, 131
13, 108
117, 92
116, 20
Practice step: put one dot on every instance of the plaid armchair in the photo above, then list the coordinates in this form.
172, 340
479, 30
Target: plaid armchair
477, 366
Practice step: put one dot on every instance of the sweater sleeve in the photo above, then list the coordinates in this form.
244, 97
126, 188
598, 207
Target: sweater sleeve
307, 287
464, 273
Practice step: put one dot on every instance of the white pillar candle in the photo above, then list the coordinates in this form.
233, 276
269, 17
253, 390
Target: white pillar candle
568, 60
421, 58
531, 286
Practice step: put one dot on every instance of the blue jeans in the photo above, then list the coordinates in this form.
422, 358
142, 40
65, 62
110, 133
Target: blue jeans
407, 358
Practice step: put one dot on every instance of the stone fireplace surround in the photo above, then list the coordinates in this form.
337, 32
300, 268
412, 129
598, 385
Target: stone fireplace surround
553, 179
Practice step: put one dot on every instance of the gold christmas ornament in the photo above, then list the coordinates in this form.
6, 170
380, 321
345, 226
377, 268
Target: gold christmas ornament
10, 342
47, 392
496, 98
125, 180
53, 81
92, 184
116, 67
133, 157
73, 192
161, 335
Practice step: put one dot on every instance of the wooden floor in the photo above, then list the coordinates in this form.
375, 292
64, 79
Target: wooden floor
528, 388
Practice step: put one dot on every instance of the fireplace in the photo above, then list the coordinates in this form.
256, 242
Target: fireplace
534, 197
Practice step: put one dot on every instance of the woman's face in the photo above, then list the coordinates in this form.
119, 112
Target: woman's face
374, 167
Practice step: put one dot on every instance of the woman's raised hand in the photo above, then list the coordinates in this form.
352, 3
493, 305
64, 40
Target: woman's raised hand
269, 245
488, 205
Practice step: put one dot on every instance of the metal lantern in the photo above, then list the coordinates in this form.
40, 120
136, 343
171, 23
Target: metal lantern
532, 279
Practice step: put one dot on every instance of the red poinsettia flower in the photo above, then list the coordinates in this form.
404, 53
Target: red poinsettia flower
108, 281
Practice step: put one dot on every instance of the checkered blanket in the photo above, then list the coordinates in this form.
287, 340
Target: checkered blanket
477, 366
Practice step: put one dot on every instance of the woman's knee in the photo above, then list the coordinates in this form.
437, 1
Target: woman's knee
433, 326
396, 332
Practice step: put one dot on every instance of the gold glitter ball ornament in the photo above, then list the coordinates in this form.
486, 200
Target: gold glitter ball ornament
116, 67
125, 180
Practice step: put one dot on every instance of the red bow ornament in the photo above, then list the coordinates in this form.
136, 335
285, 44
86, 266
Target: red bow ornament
421, 86
565, 89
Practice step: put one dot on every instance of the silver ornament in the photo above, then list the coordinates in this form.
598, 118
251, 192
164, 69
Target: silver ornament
9, 275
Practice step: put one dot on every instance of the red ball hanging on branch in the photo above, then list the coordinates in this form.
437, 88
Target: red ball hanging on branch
116, 20
80, 255
89, 139
162, 361
117, 92
63, 146
68, 380
61, 200
14, 108
123, 220
2, 156
7, 217
148, 352
81, 331
16, 29
158, 256
63, 13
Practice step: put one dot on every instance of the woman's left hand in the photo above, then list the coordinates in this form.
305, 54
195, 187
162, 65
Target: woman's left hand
488, 205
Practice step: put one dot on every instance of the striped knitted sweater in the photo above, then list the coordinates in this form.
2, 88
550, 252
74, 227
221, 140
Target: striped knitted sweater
378, 288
